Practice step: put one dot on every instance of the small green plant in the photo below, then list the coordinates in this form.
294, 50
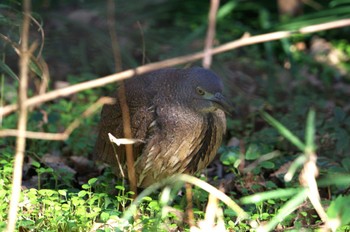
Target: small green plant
6, 168
287, 81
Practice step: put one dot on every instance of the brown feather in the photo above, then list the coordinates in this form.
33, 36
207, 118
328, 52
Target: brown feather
178, 137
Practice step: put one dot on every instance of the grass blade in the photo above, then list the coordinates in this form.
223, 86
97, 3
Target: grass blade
310, 131
283, 131
279, 193
286, 210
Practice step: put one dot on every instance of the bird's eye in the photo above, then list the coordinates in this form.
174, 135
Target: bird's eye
200, 91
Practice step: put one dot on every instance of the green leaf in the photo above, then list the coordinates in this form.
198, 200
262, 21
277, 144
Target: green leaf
65, 207
270, 201
104, 216
230, 157
154, 205
147, 198
270, 185
339, 210
303, 213
267, 164
82, 193
226, 9
36, 164
119, 187
62, 192
92, 181
252, 152
237, 163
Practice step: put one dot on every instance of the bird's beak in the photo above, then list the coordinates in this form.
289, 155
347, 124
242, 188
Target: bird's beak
222, 103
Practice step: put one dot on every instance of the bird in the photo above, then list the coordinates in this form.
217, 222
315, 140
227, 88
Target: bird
178, 113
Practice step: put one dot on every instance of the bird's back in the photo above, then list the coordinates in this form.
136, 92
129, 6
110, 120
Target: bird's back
176, 138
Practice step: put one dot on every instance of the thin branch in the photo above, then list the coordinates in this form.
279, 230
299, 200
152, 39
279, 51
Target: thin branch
45, 76
42, 33
9, 41
37, 60
214, 5
172, 62
34, 135
189, 207
325, 26
22, 119
212, 203
241, 214
113, 34
67, 132
122, 98
210, 211
308, 179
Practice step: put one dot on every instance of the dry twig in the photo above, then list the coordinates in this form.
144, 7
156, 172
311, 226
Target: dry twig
308, 179
172, 62
25, 52
122, 98
189, 207
214, 5
69, 129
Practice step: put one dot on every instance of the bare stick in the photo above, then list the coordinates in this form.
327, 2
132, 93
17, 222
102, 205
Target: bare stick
22, 120
308, 179
122, 98
214, 5
172, 62
189, 208
67, 132
37, 60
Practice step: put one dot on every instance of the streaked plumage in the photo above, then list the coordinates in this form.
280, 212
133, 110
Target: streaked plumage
178, 113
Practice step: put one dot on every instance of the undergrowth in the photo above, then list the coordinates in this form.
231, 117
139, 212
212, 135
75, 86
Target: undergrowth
264, 158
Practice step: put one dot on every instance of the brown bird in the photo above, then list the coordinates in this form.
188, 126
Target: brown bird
178, 113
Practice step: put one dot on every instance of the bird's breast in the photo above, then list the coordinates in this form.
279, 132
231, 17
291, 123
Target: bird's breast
183, 142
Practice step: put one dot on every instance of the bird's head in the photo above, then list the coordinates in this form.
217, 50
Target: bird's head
203, 91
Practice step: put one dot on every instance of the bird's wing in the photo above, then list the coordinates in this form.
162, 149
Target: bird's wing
110, 122
141, 115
